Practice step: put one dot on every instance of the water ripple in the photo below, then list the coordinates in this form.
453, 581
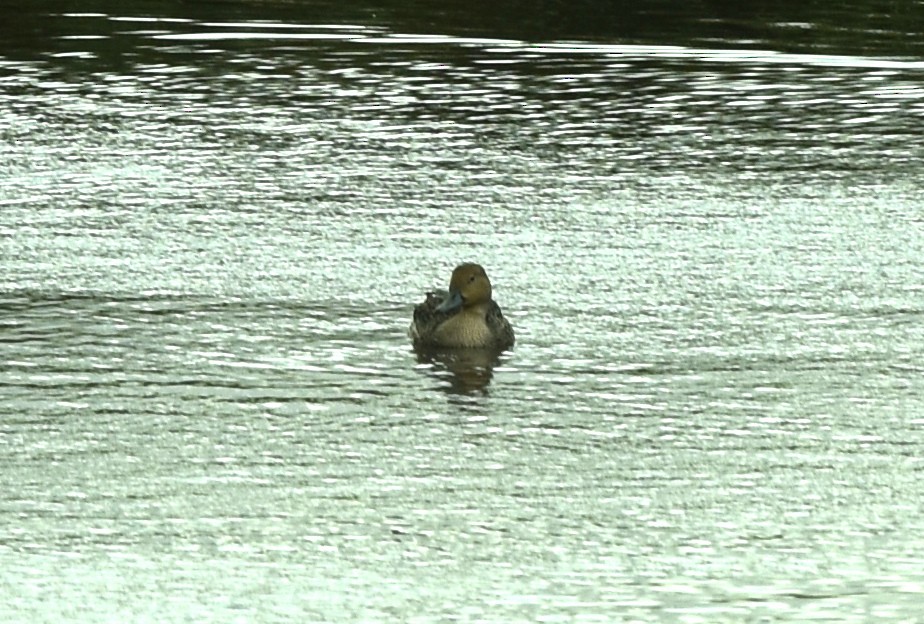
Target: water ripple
214, 233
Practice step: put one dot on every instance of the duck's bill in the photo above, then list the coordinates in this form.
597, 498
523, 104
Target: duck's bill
450, 303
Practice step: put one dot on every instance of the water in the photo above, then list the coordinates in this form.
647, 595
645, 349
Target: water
705, 229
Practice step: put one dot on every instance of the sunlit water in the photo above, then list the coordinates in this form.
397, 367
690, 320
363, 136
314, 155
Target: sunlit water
213, 234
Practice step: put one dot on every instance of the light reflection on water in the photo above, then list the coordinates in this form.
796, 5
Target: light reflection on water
212, 246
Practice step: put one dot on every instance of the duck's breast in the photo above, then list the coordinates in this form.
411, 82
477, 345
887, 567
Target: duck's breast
465, 329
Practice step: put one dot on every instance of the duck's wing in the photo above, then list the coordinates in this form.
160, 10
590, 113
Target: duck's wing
426, 316
500, 328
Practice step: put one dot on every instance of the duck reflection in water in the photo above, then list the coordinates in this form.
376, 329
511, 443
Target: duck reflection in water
462, 330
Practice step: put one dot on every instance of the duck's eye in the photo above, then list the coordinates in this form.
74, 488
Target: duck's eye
472, 278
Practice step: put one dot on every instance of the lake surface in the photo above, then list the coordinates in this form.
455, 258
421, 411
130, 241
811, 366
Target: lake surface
705, 226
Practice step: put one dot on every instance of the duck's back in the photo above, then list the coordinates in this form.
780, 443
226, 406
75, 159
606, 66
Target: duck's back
500, 328
427, 318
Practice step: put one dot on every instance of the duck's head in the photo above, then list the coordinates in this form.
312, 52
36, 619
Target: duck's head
469, 286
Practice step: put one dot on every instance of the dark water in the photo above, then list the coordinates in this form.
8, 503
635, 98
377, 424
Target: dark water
704, 222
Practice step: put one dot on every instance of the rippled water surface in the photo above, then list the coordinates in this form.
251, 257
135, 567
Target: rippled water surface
705, 228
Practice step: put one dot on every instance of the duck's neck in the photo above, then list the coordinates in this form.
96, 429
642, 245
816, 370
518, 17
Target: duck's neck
479, 309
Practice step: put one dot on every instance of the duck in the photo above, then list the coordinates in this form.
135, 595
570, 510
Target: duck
465, 316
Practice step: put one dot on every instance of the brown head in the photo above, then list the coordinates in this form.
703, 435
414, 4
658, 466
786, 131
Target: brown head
468, 286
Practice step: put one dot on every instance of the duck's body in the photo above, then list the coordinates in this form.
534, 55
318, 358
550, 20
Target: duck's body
465, 316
